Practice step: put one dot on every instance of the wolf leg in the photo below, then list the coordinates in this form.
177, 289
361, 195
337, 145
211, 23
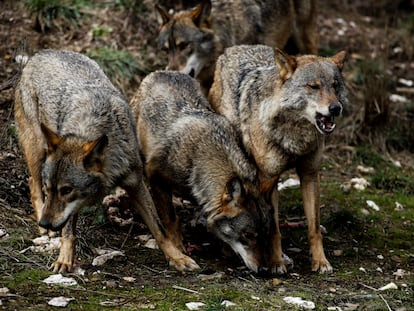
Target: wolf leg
166, 211
64, 263
277, 264
310, 188
144, 205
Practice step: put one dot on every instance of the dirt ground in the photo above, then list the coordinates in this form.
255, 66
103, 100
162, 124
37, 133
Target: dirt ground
363, 261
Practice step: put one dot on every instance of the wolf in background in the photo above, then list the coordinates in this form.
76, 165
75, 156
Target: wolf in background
193, 152
283, 107
196, 37
79, 140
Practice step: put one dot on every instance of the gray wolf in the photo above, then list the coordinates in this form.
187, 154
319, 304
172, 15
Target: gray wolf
194, 153
194, 38
283, 107
79, 140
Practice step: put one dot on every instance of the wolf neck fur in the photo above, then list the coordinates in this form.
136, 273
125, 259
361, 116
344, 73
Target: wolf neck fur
292, 135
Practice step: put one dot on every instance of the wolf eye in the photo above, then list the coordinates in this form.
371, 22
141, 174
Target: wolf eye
183, 45
335, 84
314, 86
65, 190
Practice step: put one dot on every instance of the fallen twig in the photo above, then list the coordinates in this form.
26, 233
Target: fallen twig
185, 289
388, 306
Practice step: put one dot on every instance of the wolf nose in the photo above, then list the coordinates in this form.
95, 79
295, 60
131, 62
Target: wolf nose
192, 73
45, 223
335, 109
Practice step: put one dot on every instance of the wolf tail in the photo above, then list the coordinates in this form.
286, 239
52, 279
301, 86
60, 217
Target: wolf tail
21, 58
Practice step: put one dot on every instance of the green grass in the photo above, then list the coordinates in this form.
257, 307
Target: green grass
53, 13
120, 65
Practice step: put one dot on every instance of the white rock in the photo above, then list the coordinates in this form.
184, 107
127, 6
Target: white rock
395, 98
3, 233
228, 303
58, 279
194, 305
391, 285
362, 269
400, 273
152, 244
373, 205
359, 183
299, 302
4, 291
406, 82
398, 207
105, 256
60, 301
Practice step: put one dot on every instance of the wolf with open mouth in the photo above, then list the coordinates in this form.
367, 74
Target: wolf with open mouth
283, 107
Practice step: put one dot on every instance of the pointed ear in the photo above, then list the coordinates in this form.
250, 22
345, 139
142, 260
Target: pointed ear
163, 14
93, 153
285, 63
53, 140
201, 12
339, 59
234, 190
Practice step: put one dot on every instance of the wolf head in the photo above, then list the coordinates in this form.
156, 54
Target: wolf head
314, 85
242, 224
71, 175
188, 39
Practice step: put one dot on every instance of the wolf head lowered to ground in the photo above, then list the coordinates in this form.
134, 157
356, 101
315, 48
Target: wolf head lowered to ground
283, 107
79, 140
193, 152
195, 38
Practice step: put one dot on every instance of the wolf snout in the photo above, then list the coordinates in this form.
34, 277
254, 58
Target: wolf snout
335, 109
46, 223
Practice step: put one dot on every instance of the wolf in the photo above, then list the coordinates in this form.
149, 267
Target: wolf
79, 139
192, 152
284, 107
194, 38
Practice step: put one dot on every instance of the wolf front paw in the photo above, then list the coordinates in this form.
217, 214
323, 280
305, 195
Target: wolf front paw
278, 269
61, 267
64, 263
184, 263
323, 266
281, 267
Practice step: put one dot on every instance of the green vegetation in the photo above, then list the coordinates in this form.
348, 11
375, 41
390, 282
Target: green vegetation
119, 65
56, 13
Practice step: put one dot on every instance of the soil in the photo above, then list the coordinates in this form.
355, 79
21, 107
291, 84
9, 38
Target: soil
366, 29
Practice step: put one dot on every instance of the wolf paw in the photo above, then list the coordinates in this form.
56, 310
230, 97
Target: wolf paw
184, 263
61, 267
322, 266
278, 269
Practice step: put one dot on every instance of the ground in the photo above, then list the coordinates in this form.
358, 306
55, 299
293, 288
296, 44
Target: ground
368, 248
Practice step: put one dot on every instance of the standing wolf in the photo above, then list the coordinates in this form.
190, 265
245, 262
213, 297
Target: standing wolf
283, 106
196, 37
193, 152
79, 139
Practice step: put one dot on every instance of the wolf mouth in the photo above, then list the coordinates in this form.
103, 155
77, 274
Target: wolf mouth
325, 124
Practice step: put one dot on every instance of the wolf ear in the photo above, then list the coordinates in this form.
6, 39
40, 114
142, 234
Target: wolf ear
53, 140
163, 14
285, 63
339, 59
93, 153
201, 12
234, 190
